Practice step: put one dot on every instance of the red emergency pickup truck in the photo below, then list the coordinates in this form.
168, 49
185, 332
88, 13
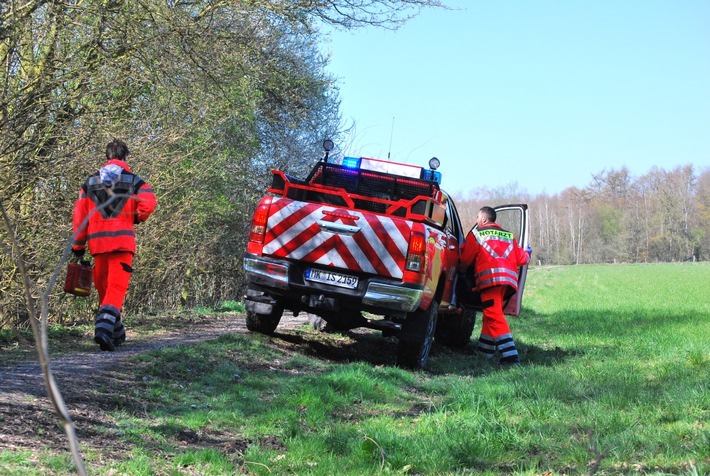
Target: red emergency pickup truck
360, 243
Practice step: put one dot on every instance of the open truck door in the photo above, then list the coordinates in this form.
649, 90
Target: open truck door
514, 218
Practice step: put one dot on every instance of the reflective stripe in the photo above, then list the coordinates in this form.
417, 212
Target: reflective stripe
506, 346
497, 276
105, 322
483, 345
111, 309
507, 271
486, 338
485, 353
497, 281
486, 346
109, 234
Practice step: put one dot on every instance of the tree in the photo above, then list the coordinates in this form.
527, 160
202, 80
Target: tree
209, 95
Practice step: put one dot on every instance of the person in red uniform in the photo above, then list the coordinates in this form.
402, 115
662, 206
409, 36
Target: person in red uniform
495, 256
111, 202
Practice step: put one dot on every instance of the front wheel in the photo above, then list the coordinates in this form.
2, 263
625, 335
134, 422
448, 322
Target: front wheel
417, 337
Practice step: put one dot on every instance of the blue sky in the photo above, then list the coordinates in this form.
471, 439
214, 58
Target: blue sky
539, 94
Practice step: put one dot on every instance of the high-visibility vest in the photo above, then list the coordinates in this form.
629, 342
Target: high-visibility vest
495, 255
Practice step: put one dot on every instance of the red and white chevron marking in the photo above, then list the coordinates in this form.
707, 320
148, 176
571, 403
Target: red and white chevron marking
372, 243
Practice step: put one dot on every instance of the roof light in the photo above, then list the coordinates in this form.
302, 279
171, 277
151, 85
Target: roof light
351, 162
431, 175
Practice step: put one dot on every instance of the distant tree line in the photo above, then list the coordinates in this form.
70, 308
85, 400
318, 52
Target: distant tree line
661, 216
210, 96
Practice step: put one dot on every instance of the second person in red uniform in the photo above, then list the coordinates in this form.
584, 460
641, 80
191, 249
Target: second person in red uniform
495, 256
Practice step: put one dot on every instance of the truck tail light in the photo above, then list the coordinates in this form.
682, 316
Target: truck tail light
257, 230
416, 255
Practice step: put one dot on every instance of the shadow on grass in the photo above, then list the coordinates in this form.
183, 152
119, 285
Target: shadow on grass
368, 346
357, 345
466, 361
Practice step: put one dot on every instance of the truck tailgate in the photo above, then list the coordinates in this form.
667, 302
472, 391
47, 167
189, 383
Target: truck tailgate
337, 237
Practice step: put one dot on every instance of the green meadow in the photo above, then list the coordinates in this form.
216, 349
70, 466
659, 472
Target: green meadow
615, 380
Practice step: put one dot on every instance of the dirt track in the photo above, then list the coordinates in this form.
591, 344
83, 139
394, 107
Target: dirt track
26, 416
26, 378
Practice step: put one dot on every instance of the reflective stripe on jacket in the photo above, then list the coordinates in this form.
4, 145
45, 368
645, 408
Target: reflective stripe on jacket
112, 210
495, 256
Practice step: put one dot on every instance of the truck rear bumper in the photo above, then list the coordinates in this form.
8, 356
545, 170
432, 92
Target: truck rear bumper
392, 297
287, 278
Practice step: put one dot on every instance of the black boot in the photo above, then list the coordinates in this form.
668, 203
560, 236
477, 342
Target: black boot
105, 321
104, 341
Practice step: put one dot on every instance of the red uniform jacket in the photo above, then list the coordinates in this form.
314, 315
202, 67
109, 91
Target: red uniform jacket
495, 255
111, 228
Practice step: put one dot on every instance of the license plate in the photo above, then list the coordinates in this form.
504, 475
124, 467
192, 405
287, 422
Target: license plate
328, 277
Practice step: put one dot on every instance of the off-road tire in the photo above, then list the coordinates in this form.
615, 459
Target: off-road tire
456, 330
265, 323
417, 337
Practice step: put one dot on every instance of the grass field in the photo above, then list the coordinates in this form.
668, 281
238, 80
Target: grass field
615, 380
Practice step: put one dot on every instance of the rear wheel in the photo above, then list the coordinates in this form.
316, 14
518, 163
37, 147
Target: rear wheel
456, 330
265, 323
417, 337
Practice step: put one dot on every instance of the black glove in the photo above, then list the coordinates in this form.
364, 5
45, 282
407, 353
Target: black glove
78, 253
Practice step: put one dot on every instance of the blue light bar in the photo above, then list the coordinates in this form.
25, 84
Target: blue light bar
431, 175
351, 162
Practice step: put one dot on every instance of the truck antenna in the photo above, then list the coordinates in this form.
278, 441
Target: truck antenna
391, 134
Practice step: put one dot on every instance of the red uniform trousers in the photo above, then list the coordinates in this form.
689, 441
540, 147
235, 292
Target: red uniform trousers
495, 331
112, 274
